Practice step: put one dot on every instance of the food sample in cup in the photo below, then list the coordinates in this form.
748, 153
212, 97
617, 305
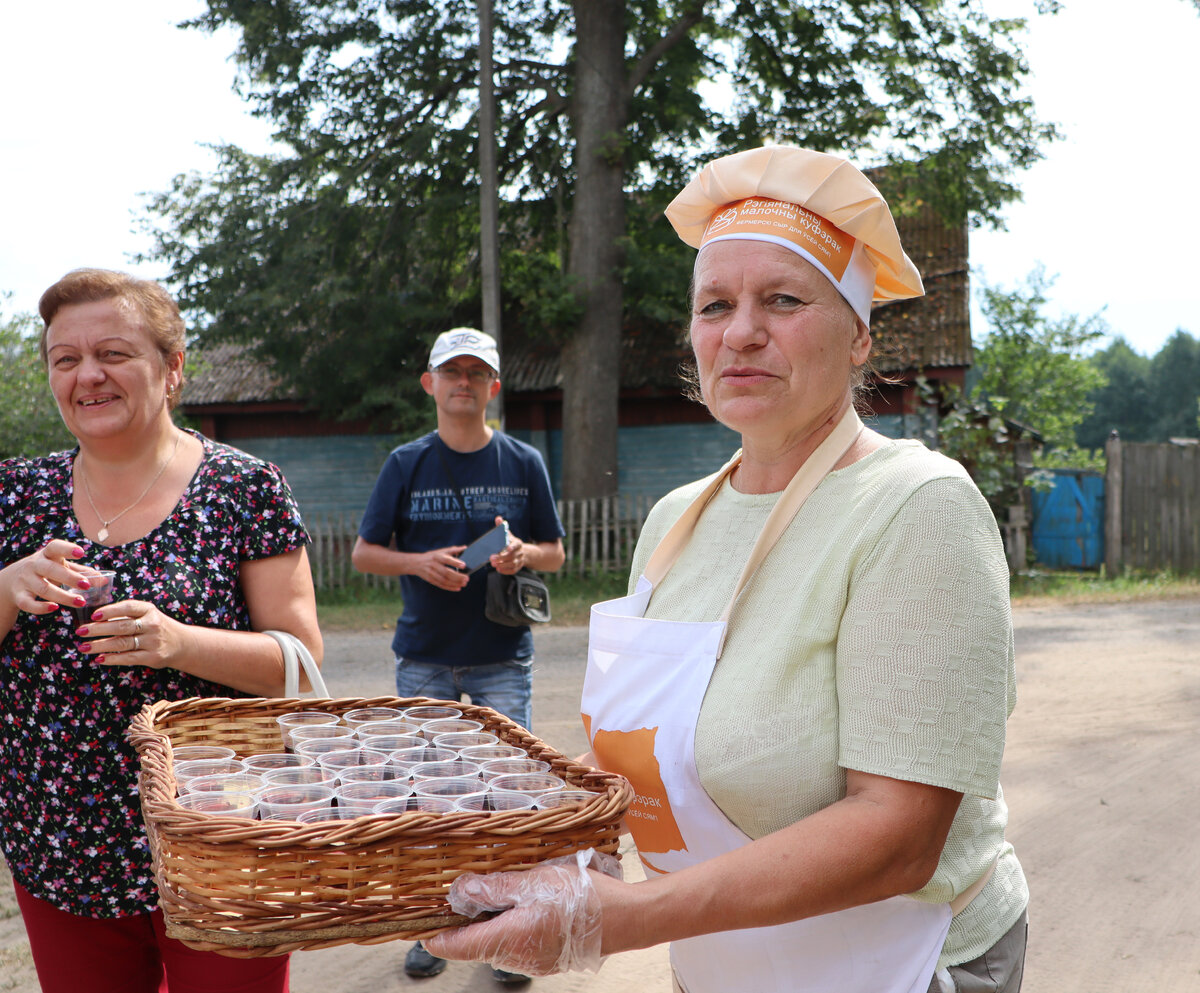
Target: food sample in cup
453, 768
424, 712
222, 804
186, 771
373, 774
312, 775
351, 758
276, 760
234, 782
316, 747
374, 729
361, 799
283, 803
422, 753
531, 783
367, 715
492, 802
302, 718
98, 593
431, 729
450, 789
417, 803
512, 767
458, 740
483, 753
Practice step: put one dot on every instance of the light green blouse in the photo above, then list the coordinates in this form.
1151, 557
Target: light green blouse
876, 636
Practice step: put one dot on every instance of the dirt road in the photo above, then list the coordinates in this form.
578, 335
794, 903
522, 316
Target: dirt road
1102, 777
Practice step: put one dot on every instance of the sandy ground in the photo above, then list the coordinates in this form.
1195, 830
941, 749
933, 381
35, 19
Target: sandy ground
1102, 777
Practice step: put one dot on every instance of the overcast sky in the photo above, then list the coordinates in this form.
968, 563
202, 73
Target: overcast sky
103, 102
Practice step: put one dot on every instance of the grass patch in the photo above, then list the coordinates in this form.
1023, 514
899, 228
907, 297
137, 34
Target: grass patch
359, 607
1072, 587
369, 608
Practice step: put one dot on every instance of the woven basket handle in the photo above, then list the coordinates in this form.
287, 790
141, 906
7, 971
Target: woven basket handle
295, 654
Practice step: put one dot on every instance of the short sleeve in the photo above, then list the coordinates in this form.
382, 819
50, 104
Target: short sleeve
925, 675
379, 518
271, 522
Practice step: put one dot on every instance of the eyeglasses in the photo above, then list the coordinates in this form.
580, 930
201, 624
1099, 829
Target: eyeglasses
477, 376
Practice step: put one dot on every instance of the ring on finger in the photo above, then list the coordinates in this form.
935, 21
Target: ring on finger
137, 625
137, 645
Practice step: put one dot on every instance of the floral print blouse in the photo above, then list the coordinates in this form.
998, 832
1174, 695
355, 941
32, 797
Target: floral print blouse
70, 820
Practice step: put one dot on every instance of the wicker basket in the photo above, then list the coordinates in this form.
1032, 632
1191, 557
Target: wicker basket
248, 888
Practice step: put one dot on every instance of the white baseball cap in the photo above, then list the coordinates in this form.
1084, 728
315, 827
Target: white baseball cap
465, 341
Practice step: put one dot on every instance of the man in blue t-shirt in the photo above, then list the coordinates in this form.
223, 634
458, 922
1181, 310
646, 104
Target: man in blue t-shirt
434, 496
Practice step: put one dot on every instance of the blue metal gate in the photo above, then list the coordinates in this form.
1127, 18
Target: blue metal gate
1067, 530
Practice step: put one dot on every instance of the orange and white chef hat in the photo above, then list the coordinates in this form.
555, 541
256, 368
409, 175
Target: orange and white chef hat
818, 205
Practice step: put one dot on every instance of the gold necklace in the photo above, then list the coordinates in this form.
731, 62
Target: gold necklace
102, 534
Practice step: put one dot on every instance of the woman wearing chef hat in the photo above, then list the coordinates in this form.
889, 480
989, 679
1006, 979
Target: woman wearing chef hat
809, 682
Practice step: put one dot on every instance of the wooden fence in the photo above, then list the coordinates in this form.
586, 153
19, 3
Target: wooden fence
600, 537
1152, 496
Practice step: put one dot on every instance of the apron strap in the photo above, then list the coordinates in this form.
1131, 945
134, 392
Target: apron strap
807, 478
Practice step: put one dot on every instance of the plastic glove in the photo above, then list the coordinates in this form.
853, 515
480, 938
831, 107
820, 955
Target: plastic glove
551, 919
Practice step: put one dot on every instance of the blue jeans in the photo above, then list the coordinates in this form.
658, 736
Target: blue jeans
503, 686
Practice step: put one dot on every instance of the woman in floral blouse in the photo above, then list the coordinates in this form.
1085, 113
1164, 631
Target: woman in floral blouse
208, 550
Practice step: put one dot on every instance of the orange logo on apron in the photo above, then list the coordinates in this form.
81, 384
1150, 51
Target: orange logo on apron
631, 753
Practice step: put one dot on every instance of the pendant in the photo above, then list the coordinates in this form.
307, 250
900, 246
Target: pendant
102, 535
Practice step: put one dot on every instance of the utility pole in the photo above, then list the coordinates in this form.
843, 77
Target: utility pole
489, 194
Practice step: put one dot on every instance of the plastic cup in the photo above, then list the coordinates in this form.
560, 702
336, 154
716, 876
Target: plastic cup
99, 592
316, 747
314, 732
365, 715
302, 718
458, 740
422, 753
391, 742
565, 798
221, 804
423, 804
237, 782
452, 788
373, 774
196, 753
363, 798
426, 712
452, 769
185, 771
312, 775
283, 803
276, 760
335, 762
512, 767
492, 802
374, 729
431, 729
533, 784
484, 753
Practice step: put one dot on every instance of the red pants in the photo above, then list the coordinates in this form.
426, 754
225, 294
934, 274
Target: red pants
133, 955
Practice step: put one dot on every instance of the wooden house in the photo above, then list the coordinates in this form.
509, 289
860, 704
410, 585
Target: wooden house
664, 439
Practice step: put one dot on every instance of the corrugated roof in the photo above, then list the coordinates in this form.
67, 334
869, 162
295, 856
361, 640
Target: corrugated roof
229, 373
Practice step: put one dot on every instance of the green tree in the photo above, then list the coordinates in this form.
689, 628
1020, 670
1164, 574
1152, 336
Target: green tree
1030, 370
1175, 376
1033, 369
29, 421
1124, 403
340, 257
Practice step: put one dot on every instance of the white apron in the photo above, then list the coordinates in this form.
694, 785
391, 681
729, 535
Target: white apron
642, 692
